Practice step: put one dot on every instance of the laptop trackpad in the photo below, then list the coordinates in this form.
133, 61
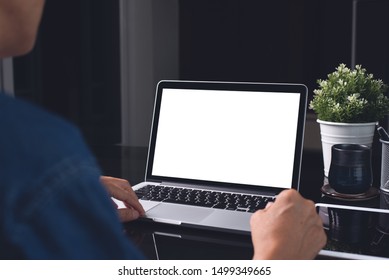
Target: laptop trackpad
180, 213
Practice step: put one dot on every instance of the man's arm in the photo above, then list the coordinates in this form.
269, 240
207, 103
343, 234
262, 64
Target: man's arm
70, 216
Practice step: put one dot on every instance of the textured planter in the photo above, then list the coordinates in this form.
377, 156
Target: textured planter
343, 133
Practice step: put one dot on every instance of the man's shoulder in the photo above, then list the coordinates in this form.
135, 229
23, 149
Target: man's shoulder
27, 123
36, 138
22, 114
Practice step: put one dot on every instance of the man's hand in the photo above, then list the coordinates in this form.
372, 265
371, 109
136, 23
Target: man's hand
289, 228
121, 190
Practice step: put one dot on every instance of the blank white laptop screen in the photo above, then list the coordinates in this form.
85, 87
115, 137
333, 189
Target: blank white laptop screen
239, 137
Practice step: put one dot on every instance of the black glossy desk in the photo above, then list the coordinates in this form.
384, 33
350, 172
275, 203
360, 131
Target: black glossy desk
158, 241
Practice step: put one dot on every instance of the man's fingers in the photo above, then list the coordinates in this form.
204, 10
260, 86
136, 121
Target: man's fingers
121, 190
269, 204
136, 204
128, 214
130, 199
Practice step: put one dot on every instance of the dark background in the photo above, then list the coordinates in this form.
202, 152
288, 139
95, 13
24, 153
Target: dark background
74, 69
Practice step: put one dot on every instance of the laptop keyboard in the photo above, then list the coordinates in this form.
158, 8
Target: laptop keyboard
203, 198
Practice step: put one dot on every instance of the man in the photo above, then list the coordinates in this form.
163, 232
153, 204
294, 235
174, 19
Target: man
53, 204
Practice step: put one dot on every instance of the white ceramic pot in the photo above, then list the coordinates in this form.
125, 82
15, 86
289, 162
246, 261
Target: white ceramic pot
343, 133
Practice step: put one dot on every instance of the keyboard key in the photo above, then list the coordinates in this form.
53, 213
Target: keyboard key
203, 198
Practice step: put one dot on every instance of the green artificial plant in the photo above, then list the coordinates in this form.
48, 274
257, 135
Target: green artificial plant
350, 96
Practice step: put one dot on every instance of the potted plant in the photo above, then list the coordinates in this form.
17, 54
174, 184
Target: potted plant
348, 105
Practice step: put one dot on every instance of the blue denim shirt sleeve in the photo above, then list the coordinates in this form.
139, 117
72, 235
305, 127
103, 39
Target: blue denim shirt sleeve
52, 205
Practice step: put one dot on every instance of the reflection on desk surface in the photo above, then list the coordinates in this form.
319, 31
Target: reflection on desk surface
166, 242
355, 233
351, 235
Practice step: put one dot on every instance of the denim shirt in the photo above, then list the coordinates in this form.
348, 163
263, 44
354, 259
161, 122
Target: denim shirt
52, 205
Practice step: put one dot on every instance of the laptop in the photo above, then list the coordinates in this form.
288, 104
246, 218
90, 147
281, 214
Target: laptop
221, 150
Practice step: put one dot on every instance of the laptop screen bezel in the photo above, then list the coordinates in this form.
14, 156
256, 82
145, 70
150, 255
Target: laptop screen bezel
233, 86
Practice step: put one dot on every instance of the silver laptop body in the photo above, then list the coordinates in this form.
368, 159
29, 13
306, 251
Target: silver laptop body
223, 137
